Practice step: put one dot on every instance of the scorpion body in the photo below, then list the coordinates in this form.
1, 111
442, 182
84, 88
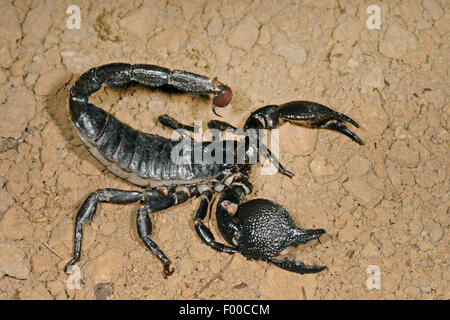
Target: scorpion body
258, 229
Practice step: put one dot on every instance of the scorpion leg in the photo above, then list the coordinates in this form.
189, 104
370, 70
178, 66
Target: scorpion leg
170, 122
88, 209
144, 226
204, 232
221, 125
269, 155
168, 197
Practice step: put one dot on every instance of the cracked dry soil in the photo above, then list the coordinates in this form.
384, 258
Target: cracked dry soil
383, 204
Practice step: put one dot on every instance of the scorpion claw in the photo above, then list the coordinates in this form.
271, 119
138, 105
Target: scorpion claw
262, 229
302, 113
315, 115
296, 266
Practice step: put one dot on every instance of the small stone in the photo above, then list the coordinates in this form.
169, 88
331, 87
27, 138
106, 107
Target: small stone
319, 167
415, 59
387, 248
264, 35
245, 34
61, 296
436, 97
411, 10
36, 292
13, 261
299, 141
61, 237
21, 108
5, 56
106, 267
403, 155
293, 53
401, 133
374, 78
137, 22
50, 82
317, 32
442, 24
173, 39
15, 224
415, 228
425, 178
284, 285
357, 166
215, 26
436, 233
74, 36
76, 61
103, 291
394, 175
40, 263
370, 250
397, 42
241, 285
425, 245
3, 77
56, 287
348, 30
89, 168
363, 192
36, 25
348, 233
433, 8
189, 8
6, 201
108, 228
9, 23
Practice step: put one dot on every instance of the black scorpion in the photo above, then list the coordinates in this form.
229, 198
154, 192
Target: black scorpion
259, 228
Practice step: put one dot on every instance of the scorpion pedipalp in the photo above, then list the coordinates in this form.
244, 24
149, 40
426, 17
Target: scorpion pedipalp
262, 229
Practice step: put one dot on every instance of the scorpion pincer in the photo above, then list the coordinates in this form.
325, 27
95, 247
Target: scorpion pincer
258, 229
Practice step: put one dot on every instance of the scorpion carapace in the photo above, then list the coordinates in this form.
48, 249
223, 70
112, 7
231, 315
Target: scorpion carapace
259, 229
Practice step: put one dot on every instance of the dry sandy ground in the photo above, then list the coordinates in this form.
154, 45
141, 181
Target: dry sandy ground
383, 204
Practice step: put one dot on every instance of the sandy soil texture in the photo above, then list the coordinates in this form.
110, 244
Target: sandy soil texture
384, 204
